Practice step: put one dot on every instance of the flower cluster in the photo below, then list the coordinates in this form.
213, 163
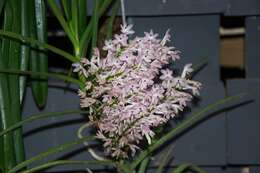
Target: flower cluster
131, 91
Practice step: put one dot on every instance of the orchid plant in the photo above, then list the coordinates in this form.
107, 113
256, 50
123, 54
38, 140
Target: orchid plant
125, 95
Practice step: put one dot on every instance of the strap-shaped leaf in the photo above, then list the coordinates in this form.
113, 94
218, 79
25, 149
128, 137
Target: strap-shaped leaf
68, 162
84, 40
66, 4
49, 152
39, 62
2, 3
25, 49
54, 75
82, 5
14, 63
75, 19
95, 24
35, 117
112, 19
34, 42
57, 12
6, 120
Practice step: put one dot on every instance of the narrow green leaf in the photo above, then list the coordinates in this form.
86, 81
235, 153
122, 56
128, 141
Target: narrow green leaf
191, 120
25, 49
68, 162
2, 113
40, 63
87, 33
82, 6
40, 116
164, 159
2, 3
8, 156
7, 26
34, 42
188, 167
35, 74
95, 25
57, 12
66, 5
14, 63
144, 165
75, 19
5, 99
112, 19
49, 152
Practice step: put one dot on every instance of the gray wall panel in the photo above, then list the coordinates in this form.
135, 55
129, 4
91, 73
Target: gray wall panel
242, 8
252, 47
243, 124
197, 37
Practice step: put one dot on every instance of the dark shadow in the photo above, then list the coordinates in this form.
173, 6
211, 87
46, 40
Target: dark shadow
66, 88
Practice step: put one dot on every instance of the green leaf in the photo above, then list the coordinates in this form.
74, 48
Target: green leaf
57, 12
14, 63
35, 117
6, 119
144, 165
95, 25
188, 167
190, 121
87, 33
164, 159
35, 74
49, 152
40, 63
2, 3
82, 8
68, 162
75, 19
34, 43
112, 19
66, 4
25, 49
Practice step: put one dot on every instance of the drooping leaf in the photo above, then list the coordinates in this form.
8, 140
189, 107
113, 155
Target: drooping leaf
68, 162
190, 121
34, 42
38, 74
49, 152
35, 117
